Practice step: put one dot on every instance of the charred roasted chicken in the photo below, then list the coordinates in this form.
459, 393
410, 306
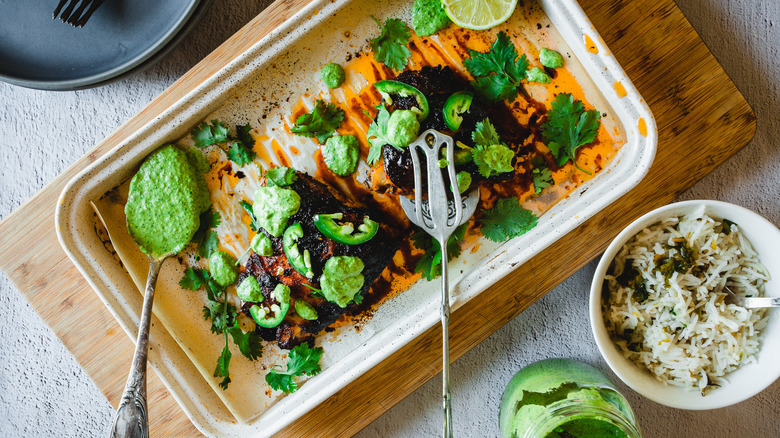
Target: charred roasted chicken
375, 253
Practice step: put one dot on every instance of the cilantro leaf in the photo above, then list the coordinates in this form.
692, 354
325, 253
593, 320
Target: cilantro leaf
223, 363
568, 127
194, 279
542, 176
221, 317
506, 220
302, 360
430, 263
498, 72
281, 176
248, 208
321, 122
281, 382
244, 135
374, 154
209, 244
377, 134
485, 133
239, 153
213, 290
206, 238
210, 219
249, 343
477, 155
490, 155
390, 46
494, 87
206, 135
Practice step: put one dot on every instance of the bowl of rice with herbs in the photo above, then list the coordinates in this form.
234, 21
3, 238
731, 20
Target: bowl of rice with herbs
659, 311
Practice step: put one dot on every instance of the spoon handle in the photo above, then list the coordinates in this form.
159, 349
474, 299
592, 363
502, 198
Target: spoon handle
756, 302
445, 333
130, 419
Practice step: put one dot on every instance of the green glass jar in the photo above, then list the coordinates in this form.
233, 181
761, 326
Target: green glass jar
563, 398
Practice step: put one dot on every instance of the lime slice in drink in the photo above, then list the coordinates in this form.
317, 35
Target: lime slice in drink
479, 14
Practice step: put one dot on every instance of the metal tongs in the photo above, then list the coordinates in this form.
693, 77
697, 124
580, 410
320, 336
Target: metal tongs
439, 215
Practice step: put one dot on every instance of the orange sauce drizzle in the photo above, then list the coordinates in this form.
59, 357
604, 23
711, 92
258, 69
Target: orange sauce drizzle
642, 127
280, 153
620, 89
590, 46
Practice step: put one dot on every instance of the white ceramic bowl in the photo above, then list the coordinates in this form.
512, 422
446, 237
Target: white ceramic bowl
747, 380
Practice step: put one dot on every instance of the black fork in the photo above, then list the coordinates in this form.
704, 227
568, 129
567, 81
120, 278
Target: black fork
76, 16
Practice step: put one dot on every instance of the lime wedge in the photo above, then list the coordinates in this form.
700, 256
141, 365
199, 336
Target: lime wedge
479, 14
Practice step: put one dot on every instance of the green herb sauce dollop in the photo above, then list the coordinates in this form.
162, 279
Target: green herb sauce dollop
167, 196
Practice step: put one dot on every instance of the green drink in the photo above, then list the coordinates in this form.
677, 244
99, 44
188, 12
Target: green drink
563, 398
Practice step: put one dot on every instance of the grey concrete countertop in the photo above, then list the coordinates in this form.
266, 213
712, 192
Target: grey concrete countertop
44, 392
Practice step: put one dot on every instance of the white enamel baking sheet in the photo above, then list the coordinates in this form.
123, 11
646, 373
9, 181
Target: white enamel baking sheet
280, 68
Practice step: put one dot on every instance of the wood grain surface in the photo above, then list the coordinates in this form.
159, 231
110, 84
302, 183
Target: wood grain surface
702, 121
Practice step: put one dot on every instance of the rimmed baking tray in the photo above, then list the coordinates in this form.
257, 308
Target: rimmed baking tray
280, 67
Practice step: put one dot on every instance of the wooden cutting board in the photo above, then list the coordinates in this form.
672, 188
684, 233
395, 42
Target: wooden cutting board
702, 120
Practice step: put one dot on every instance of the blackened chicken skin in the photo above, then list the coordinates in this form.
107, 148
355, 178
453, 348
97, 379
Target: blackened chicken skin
376, 254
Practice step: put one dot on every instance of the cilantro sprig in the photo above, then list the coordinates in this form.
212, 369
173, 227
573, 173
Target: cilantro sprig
281, 176
222, 315
390, 46
206, 237
491, 156
223, 365
430, 263
194, 278
507, 219
321, 122
223, 321
249, 344
377, 134
206, 134
485, 133
238, 148
498, 72
303, 360
569, 127
239, 153
541, 175
250, 211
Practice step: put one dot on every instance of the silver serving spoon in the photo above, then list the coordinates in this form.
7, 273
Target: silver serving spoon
750, 302
131, 419
439, 215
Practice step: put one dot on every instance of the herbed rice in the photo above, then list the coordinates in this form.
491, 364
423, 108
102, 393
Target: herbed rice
683, 332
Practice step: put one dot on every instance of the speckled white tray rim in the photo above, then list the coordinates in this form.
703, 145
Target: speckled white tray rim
197, 399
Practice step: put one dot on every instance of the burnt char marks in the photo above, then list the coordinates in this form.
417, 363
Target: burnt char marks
376, 254
399, 168
289, 335
433, 80
255, 267
327, 314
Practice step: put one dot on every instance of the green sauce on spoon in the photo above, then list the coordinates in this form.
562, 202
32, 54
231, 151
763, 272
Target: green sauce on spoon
167, 196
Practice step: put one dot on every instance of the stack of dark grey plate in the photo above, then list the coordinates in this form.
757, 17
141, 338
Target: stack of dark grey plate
122, 37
